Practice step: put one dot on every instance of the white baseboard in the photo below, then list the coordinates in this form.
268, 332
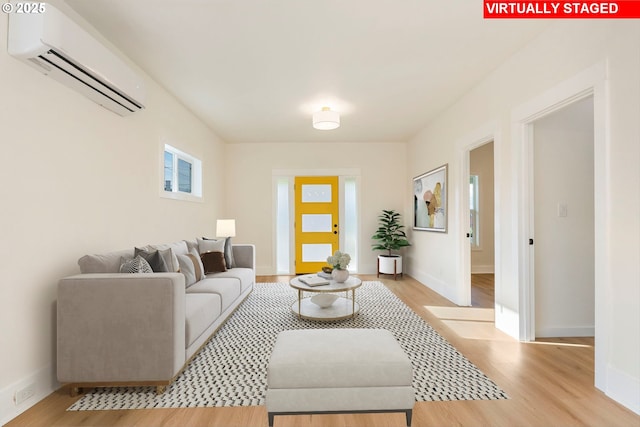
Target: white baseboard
435, 284
482, 269
623, 388
43, 382
572, 331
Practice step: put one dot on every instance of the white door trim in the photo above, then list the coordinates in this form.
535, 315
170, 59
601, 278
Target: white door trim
483, 135
592, 81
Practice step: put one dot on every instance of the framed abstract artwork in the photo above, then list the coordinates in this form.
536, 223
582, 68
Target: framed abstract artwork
430, 200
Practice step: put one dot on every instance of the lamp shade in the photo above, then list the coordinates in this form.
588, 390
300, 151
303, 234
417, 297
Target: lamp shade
226, 228
326, 119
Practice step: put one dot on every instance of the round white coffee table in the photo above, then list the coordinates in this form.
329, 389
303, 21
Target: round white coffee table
341, 308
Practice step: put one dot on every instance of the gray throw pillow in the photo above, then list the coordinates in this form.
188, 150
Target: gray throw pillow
210, 245
191, 245
155, 259
135, 265
228, 253
177, 248
187, 268
197, 261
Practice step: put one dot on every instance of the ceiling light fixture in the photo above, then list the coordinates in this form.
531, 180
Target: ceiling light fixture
326, 119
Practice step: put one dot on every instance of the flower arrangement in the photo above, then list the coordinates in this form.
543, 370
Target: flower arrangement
339, 260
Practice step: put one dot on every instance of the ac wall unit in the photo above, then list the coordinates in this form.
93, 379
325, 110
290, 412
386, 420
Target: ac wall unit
55, 45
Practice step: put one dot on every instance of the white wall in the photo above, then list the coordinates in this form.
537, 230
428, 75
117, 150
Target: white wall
561, 52
76, 179
564, 245
481, 164
383, 185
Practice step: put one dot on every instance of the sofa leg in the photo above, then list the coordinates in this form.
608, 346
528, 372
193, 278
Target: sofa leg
409, 414
271, 416
160, 389
74, 391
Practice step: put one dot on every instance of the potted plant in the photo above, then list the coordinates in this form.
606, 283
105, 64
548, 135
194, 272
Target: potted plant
390, 237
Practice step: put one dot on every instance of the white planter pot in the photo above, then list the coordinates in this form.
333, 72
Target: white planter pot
390, 264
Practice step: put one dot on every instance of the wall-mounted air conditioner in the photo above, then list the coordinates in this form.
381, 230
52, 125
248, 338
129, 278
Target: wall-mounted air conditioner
58, 47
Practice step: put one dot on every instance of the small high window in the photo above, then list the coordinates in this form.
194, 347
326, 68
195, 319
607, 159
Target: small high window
182, 174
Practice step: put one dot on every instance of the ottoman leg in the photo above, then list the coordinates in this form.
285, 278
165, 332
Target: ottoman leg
408, 414
271, 416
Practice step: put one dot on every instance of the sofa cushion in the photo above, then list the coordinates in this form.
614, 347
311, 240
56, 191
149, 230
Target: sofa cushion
340, 358
104, 263
135, 265
201, 310
245, 275
227, 288
213, 262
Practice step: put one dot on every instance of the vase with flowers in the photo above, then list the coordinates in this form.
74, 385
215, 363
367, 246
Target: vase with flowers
339, 261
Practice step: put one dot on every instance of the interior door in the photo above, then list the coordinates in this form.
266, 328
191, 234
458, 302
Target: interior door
316, 221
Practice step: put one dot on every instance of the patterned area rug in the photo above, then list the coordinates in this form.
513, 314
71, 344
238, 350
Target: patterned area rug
231, 370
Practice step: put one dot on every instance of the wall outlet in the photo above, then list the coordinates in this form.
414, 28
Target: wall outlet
24, 394
562, 210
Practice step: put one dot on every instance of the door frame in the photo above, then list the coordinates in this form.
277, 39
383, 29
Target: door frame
342, 174
590, 82
481, 136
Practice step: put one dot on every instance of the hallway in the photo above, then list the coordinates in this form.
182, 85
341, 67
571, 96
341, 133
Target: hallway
482, 290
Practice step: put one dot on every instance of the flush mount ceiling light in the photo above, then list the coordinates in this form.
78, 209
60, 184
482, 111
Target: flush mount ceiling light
326, 119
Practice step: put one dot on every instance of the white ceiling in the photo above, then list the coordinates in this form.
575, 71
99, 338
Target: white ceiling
255, 70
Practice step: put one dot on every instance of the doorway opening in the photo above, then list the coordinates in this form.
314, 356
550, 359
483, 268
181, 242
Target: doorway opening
479, 220
590, 83
562, 223
481, 226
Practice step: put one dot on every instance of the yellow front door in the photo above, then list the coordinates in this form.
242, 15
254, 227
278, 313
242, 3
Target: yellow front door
316, 221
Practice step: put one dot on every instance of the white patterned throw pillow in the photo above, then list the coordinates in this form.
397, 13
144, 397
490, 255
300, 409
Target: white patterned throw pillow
135, 265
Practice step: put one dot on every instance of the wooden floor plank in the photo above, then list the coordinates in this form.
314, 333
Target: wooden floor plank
550, 383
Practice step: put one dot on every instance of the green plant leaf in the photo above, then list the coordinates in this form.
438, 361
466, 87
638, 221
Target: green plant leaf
390, 234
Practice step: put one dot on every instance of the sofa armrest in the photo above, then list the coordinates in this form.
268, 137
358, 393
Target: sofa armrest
120, 327
244, 255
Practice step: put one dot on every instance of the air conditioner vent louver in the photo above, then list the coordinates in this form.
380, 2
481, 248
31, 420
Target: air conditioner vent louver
58, 61
59, 48
34, 61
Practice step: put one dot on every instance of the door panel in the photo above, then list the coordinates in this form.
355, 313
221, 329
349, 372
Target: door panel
316, 221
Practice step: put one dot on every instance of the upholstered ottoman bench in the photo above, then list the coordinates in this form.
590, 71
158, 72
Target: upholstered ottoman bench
330, 371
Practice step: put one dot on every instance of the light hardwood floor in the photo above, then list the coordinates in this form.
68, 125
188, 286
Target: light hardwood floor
482, 290
549, 384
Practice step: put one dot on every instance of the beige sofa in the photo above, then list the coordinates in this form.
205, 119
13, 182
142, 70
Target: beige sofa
123, 329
